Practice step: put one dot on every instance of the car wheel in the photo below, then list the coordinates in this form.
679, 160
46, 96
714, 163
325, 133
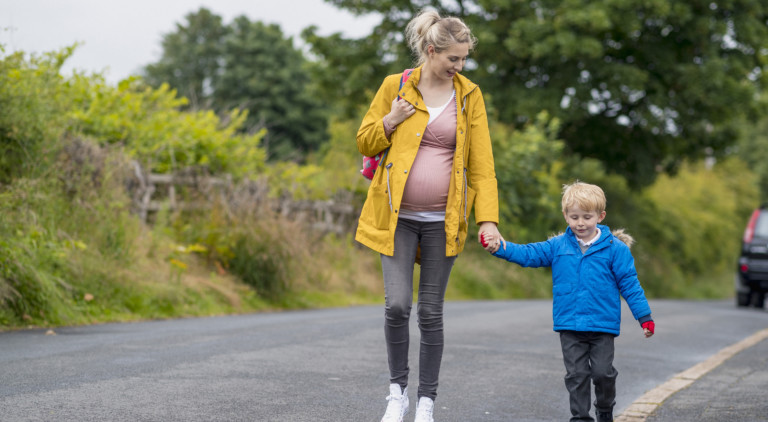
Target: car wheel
759, 299
743, 299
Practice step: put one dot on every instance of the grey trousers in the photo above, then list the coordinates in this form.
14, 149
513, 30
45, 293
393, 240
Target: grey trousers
398, 287
589, 356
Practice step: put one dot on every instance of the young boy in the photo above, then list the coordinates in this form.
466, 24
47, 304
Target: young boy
591, 269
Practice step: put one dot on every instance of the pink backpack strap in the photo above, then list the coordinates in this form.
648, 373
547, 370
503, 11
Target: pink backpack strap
406, 75
404, 78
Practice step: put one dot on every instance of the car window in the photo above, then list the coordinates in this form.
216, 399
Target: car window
761, 228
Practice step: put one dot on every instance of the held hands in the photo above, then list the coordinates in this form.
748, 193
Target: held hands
648, 328
489, 237
401, 110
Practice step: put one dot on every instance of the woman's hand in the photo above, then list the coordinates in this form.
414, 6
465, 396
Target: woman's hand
401, 110
490, 232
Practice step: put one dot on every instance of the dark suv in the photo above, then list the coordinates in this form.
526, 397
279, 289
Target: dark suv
752, 278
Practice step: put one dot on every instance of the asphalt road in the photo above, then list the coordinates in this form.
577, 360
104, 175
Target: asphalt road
502, 362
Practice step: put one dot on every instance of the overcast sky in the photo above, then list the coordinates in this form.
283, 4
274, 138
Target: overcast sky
119, 37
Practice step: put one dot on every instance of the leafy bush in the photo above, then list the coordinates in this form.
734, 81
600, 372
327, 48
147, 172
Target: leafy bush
151, 126
263, 250
690, 238
50, 224
527, 166
69, 247
262, 263
752, 148
32, 101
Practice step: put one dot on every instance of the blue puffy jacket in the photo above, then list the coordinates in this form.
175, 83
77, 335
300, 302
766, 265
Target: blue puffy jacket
586, 287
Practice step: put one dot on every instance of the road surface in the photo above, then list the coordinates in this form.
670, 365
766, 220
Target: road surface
502, 362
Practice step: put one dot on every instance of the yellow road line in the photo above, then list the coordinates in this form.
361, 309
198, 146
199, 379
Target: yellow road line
648, 402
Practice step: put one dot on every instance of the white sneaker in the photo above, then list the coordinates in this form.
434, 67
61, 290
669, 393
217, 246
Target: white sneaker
398, 404
424, 410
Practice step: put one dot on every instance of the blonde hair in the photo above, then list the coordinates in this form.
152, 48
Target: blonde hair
583, 195
428, 28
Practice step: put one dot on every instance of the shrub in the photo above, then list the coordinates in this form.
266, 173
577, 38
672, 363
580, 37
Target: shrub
33, 108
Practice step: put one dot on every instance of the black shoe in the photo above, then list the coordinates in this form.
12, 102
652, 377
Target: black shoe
604, 416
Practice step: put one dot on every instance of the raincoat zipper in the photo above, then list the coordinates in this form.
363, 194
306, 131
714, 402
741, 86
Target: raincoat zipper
464, 162
466, 220
389, 190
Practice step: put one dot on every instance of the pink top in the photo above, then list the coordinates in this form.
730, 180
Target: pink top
430, 176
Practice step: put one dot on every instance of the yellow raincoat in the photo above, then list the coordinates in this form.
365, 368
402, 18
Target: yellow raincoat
474, 177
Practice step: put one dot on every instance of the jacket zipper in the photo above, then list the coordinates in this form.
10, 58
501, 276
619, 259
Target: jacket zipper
464, 162
466, 202
389, 190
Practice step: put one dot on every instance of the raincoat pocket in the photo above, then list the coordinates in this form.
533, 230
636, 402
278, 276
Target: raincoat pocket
377, 206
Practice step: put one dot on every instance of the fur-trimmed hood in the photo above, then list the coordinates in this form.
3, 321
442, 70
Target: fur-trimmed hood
624, 237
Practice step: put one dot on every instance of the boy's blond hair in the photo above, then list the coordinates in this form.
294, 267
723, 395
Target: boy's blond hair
583, 195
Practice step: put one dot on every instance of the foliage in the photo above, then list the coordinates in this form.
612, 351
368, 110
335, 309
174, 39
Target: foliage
245, 65
349, 71
637, 85
33, 264
340, 160
527, 169
71, 253
282, 260
752, 149
248, 248
69, 248
265, 74
699, 216
31, 100
190, 59
151, 126
263, 260
331, 172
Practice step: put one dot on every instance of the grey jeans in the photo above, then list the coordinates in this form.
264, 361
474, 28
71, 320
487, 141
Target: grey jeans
398, 288
589, 356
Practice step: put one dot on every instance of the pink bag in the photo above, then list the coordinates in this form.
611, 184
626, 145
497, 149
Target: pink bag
370, 164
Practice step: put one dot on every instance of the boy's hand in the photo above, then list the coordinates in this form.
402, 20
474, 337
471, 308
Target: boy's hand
648, 328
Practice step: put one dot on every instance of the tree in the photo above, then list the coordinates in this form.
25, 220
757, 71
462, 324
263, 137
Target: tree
348, 71
246, 65
638, 85
190, 59
263, 73
753, 150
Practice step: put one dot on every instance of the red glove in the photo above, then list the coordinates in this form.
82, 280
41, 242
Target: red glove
483, 241
649, 325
